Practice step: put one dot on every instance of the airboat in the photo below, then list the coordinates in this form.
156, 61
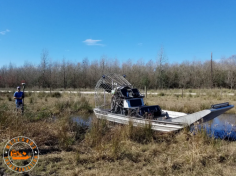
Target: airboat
117, 100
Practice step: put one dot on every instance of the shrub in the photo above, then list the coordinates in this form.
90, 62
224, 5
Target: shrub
9, 98
62, 105
204, 106
56, 94
82, 104
41, 94
161, 94
78, 105
40, 115
27, 94
31, 100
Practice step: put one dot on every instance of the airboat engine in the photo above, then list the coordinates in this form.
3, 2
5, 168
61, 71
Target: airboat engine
123, 98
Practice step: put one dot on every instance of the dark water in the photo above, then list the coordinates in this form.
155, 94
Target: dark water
83, 119
223, 126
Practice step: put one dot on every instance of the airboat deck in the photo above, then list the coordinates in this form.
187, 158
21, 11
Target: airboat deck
116, 100
176, 120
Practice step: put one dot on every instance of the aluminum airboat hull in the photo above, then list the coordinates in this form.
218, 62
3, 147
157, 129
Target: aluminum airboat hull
176, 120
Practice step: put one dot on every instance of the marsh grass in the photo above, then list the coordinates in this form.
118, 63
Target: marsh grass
141, 134
31, 100
190, 103
99, 128
61, 105
65, 139
172, 153
42, 114
56, 95
28, 94
161, 94
79, 131
42, 95
14, 125
105, 149
9, 97
116, 146
73, 105
82, 104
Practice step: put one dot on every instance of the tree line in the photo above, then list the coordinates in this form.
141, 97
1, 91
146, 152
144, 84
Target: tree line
154, 74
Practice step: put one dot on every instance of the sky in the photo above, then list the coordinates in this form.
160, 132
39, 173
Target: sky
187, 30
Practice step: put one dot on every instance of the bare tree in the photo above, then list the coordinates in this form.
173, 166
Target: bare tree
64, 74
161, 60
230, 65
43, 68
49, 74
85, 69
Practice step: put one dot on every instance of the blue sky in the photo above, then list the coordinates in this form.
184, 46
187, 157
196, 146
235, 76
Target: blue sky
123, 29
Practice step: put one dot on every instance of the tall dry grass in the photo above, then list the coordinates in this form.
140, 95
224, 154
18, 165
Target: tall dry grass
203, 99
108, 149
182, 153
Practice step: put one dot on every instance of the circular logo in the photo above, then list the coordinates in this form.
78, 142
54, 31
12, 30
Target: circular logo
21, 154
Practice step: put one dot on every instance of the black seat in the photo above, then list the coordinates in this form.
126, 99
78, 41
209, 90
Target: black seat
135, 93
124, 92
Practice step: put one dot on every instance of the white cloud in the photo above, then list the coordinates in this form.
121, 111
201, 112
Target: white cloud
93, 42
4, 32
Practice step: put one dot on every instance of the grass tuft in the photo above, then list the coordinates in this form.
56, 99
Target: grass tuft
97, 131
9, 97
161, 94
56, 95
142, 134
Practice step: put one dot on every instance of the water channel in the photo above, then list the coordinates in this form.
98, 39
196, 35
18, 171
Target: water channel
223, 126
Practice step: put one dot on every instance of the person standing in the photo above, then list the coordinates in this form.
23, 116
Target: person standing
18, 96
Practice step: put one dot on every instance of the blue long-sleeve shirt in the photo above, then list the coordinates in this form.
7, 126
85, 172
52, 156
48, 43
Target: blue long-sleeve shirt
18, 95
